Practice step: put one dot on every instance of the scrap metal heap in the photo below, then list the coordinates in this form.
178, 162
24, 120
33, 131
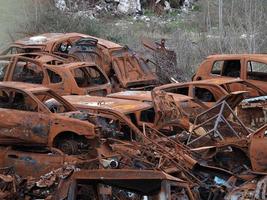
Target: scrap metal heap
182, 141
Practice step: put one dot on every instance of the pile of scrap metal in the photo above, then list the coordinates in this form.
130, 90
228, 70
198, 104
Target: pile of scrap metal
65, 134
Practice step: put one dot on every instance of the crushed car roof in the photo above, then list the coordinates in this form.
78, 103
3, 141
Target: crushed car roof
46, 38
144, 96
121, 105
43, 59
237, 56
215, 81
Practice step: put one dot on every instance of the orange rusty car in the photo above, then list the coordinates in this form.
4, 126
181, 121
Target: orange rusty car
123, 66
53, 72
249, 67
252, 110
159, 112
27, 119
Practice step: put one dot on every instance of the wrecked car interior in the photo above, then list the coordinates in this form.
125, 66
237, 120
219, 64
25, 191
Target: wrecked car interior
88, 119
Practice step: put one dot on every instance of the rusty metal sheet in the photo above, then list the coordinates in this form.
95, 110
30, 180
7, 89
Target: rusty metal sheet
168, 111
120, 105
130, 70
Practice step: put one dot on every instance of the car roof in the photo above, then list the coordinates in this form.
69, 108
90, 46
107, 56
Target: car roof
46, 38
214, 81
220, 80
132, 95
76, 64
120, 105
237, 56
43, 59
144, 96
39, 57
24, 86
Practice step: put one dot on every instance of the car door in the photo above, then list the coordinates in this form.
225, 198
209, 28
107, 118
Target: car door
28, 163
56, 81
90, 80
21, 123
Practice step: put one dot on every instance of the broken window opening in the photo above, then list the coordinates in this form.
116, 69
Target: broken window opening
217, 67
27, 72
181, 90
132, 118
88, 76
54, 104
257, 71
17, 100
115, 128
64, 47
3, 69
204, 94
53, 76
148, 115
229, 68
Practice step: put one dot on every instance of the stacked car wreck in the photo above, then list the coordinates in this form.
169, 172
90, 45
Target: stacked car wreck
85, 118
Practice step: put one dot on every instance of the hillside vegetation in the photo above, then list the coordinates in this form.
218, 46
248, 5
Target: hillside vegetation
208, 27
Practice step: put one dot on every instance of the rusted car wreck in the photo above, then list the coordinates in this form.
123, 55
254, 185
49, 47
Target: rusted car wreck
124, 67
28, 119
56, 73
65, 134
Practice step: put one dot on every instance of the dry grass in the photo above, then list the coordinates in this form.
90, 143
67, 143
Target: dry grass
193, 36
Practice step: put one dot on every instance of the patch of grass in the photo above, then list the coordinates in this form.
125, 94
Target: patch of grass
196, 8
148, 12
172, 14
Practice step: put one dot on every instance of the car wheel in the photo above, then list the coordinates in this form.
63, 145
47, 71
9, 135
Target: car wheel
69, 146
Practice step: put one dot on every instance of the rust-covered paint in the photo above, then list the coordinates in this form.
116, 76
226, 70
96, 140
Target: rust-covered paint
56, 73
124, 68
26, 119
234, 65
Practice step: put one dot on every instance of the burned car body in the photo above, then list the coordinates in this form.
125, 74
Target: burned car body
27, 121
138, 112
248, 146
55, 73
124, 68
216, 90
249, 67
187, 105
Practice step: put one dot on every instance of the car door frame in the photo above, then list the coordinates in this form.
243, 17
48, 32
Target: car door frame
13, 65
